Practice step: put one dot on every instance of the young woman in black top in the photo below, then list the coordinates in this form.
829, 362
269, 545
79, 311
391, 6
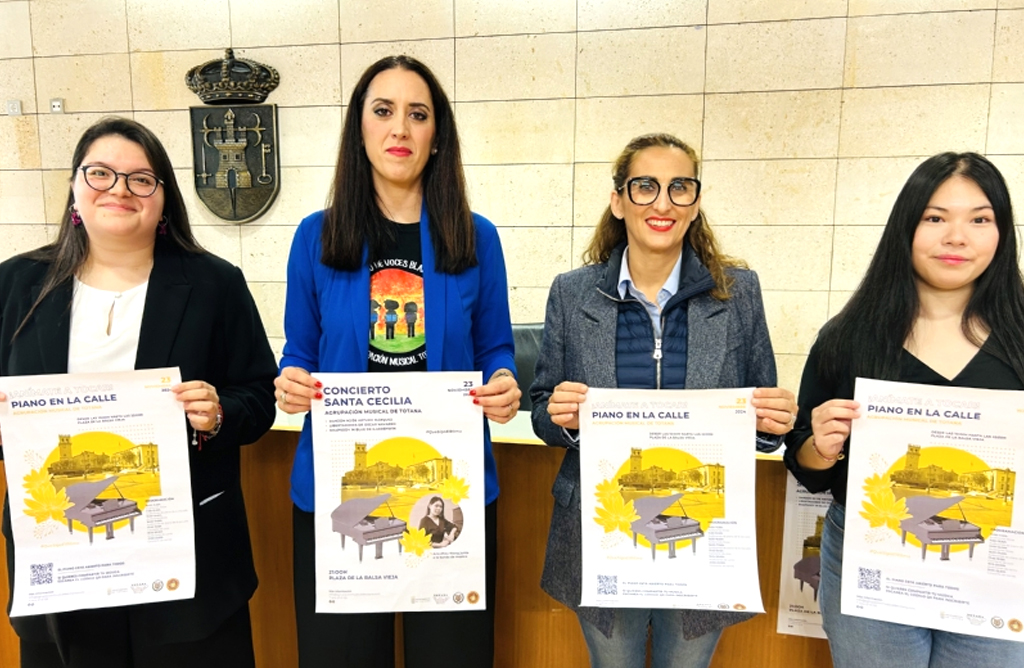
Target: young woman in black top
942, 303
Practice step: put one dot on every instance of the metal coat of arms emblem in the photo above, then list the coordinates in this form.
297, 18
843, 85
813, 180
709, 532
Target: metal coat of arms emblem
234, 142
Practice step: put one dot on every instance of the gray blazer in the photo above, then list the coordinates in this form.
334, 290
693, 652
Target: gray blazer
727, 346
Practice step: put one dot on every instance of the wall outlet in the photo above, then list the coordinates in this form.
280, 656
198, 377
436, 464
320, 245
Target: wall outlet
13, 107
57, 105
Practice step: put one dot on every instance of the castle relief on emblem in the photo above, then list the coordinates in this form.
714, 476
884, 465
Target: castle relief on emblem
234, 138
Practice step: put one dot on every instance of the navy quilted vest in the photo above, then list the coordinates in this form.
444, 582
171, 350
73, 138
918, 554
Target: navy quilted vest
638, 364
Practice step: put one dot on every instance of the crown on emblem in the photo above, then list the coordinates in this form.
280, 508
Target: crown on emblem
232, 80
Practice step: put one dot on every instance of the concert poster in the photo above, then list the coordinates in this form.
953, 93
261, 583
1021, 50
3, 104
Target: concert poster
399, 476
799, 614
932, 537
667, 485
100, 492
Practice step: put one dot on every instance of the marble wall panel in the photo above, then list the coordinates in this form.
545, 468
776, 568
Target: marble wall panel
798, 124
476, 18
17, 82
518, 66
608, 63
603, 15
522, 195
19, 142
914, 49
782, 55
179, 25
769, 192
21, 197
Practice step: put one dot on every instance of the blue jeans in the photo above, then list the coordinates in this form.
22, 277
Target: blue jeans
627, 648
857, 642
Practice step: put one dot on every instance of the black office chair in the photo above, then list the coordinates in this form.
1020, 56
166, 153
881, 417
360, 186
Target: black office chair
527, 339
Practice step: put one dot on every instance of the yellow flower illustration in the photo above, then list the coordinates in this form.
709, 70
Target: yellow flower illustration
885, 509
877, 484
36, 479
455, 489
47, 503
415, 542
606, 490
615, 513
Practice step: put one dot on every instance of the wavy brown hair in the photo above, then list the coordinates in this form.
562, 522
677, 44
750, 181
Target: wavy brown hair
611, 231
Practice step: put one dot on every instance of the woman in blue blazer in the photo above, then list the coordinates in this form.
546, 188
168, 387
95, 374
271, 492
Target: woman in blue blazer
656, 306
398, 223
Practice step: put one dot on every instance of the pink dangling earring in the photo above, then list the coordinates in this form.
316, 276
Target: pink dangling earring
76, 218
161, 227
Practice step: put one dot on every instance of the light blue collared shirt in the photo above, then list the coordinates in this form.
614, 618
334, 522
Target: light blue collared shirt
666, 292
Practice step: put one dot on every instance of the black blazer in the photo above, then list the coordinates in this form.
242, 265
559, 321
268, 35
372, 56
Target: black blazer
199, 316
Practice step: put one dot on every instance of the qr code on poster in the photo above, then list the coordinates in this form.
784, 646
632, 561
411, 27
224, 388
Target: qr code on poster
42, 574
607, 585
869, 578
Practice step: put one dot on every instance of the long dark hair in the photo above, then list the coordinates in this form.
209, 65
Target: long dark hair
611, 231
866, 338
353, 218
69, 252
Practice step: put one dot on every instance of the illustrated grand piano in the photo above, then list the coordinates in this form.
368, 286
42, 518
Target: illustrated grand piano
658, 528
934, 529
808, 570
93, 512
352, 518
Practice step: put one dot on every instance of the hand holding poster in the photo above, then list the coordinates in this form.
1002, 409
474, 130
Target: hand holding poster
671, 473
399, 470
100, 490
932, 538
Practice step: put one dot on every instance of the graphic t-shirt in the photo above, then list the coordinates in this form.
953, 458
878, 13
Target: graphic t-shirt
398, 331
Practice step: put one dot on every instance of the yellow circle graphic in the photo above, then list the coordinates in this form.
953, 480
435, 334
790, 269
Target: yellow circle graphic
398, 472
943, 472
661, 472
133, 470
401, 451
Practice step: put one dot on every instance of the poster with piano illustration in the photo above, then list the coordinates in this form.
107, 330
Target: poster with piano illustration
97, 470
667, 483
399, 476
932, 536
804, 519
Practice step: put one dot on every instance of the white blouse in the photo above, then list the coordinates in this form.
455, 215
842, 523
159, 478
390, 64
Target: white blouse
105, 328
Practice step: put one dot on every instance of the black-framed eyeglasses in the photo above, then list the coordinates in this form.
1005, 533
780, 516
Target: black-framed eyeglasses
644, 190
140, 184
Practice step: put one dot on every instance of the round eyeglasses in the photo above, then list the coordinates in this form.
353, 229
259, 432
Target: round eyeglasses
644, 190
140, 184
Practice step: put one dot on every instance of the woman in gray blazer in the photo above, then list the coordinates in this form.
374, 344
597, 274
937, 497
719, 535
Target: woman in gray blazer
656, 306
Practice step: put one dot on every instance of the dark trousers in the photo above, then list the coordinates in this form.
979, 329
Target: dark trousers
367, 640
104, 639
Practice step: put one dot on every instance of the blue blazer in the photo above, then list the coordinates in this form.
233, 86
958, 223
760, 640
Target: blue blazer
327, 330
